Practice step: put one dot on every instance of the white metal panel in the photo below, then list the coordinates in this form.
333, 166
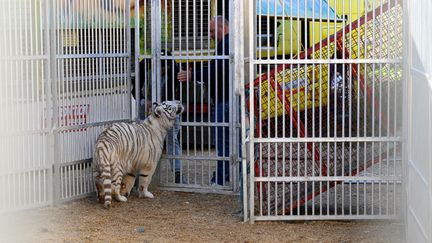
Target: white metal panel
25, 166
91, 63
419, 174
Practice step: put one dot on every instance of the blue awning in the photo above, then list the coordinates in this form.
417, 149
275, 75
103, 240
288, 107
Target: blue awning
306, 9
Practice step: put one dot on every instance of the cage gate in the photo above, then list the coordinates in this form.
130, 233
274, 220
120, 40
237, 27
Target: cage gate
174, 36
326, 110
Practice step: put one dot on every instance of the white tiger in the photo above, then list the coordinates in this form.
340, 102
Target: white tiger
124, 150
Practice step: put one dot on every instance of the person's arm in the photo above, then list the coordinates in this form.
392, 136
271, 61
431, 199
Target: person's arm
172, 84
205, 75
141, 80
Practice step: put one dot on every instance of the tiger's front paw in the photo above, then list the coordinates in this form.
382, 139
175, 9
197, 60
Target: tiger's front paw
124, 191
146, 194
121, 198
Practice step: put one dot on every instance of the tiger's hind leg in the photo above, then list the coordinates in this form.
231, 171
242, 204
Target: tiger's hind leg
117, 181
99, 189
144, 181
127, 184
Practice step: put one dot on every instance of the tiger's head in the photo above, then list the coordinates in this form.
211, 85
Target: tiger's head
168, 111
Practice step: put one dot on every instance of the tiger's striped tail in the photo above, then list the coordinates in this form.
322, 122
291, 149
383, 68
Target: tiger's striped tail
106, 177
107, 191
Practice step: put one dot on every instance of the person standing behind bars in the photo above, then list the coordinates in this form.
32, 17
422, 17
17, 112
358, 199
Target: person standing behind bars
216, 76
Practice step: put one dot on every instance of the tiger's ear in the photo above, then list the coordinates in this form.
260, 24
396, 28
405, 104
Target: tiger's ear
155, 104
157, 111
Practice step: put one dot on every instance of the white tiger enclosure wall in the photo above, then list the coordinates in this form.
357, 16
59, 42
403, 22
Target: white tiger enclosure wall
25, 133
65, 73
91, 55
322, 101
419, 121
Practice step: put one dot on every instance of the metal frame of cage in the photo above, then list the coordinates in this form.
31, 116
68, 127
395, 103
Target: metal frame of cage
77, 84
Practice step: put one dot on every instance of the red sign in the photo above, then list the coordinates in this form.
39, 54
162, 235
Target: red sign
73, 115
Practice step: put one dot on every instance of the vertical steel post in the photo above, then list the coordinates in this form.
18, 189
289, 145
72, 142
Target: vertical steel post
156, 50
251, 75
136, 59
52, 99
406, 111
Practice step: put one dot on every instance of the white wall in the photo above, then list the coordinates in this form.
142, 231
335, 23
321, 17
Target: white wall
419, 75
